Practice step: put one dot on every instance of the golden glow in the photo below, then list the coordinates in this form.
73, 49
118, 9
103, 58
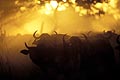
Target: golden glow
37, 1
22, 8
108, 8
73, 1
50, 6
61, 8
54, 4
16, 2
57, 15
64, 0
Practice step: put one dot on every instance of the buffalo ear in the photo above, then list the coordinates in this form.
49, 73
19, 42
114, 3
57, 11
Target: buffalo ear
25, 52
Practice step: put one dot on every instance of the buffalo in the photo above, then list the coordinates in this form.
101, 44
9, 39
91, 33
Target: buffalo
72, 56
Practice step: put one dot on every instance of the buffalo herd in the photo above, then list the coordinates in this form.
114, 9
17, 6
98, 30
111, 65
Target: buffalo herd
81, 57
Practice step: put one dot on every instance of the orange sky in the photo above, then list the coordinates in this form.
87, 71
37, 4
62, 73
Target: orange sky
26, 17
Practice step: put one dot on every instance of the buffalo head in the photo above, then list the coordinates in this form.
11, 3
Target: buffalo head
108, 34
43, 38
25, 51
